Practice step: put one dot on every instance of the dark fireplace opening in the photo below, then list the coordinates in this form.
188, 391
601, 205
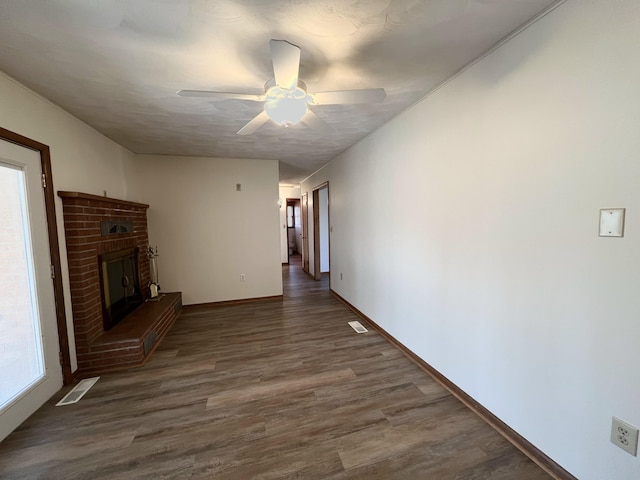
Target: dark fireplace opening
119, 285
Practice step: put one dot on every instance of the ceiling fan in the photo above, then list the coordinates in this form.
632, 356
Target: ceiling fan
286, 100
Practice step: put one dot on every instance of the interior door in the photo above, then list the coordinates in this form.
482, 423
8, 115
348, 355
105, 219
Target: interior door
30, 370
305, 229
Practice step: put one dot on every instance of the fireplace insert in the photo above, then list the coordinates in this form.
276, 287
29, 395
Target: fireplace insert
120, 285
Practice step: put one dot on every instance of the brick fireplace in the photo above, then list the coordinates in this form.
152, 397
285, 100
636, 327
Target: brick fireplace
96, 227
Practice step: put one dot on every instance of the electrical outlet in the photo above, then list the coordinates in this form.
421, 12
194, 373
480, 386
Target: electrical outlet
624, 436
242, 277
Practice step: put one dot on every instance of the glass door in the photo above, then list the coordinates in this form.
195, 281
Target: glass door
30, 371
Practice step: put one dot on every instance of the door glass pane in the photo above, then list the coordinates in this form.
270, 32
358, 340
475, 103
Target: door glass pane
21, 358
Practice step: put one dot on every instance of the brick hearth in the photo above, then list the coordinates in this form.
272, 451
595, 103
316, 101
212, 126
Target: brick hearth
129, 342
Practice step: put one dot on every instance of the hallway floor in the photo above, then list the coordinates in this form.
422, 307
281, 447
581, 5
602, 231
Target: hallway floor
271, 390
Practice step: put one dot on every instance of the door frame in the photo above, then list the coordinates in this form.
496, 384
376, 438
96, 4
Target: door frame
286, 217
317, 274
54, 246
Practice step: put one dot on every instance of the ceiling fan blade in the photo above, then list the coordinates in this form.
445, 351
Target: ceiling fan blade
311, 120
255, 123
369, 95
286, 63
220, 95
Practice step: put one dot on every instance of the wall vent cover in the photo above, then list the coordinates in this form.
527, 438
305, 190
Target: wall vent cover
110, 227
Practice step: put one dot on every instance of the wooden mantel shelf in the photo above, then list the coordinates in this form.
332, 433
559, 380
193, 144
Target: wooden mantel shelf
98, 198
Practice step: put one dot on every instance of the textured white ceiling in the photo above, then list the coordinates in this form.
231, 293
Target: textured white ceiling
117, 64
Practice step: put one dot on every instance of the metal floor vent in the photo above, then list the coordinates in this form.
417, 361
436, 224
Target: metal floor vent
78, 391
357, 326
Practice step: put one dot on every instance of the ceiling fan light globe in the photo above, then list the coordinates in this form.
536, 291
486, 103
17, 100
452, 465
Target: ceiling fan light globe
286, 111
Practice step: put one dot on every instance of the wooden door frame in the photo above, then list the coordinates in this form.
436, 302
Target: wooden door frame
304, 214
317, 274
54, 246
286, 220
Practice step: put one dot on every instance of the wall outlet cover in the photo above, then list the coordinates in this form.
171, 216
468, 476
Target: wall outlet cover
624, 436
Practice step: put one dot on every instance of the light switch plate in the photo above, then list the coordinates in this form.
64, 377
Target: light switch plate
612, 222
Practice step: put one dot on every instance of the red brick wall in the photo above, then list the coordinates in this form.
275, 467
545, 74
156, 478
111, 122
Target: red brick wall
82, 216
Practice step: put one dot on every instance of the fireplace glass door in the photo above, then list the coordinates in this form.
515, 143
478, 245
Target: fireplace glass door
120, 285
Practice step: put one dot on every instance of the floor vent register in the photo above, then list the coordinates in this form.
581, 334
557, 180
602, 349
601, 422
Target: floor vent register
78, 391
357, 326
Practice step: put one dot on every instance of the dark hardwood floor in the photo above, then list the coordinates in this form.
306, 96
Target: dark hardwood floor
273, 390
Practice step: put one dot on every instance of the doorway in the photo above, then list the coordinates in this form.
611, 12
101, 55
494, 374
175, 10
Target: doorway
305, 232
33, 339
321, 231
294, 230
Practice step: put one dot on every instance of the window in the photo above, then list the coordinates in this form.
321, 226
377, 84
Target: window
22, 361
290, 220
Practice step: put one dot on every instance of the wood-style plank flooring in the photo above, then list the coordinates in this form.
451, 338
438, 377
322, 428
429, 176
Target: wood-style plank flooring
273, 390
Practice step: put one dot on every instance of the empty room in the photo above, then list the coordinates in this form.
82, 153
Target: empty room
261, 239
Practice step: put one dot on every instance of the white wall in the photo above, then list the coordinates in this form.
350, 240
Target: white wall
284, 193
81, 159
467, 228
323, 224
207, 233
